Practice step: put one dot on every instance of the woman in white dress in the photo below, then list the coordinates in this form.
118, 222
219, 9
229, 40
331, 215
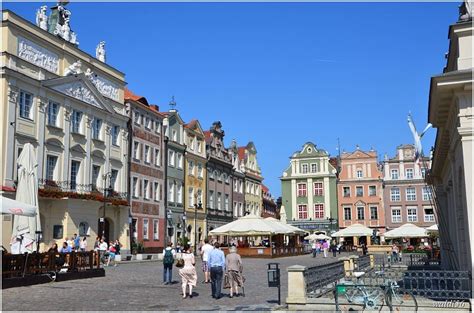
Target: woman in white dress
188, 272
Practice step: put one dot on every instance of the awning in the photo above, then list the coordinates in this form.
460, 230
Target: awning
407, 231
355, 230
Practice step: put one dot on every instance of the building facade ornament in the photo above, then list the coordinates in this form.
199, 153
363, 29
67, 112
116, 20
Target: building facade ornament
67, 114
59, 23
105, 87
465, 11
74, 68
89, 121
42, 18
100, 51
37, 55
108, 129
12, 94
79, 91
42, 103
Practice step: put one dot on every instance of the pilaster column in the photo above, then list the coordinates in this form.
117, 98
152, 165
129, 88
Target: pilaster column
9, 154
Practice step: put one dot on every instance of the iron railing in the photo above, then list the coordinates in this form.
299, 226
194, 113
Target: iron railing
419, 259
69, 186
323, 278
439, 284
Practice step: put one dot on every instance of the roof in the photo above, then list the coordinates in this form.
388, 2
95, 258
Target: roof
265, 188
241, 152
191, 124
129, 95
207, 136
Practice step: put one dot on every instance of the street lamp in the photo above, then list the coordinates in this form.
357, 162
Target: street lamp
184, 226
196, 207
169, 216
104, 177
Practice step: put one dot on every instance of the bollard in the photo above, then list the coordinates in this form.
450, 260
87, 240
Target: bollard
296, 285
372, 261
347, 266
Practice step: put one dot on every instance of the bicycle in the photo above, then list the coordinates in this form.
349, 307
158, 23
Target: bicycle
375, 297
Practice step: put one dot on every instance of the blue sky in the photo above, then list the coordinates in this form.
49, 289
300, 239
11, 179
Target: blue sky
279, 74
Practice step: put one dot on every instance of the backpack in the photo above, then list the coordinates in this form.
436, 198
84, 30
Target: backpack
168, 258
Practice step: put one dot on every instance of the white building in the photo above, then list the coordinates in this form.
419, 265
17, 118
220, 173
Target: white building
69, 105
450, 111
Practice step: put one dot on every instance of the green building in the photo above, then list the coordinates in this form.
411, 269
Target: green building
308, 188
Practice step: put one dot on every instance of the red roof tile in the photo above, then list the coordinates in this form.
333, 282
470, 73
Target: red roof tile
241, 151
207, 135
265, 188
191, 124
129, 95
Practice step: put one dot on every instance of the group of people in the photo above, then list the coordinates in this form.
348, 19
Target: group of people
215, 265
107, 251
324, 246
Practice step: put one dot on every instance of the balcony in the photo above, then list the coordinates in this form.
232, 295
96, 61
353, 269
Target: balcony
69, 189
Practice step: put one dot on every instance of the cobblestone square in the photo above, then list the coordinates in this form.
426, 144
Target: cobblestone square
138, 286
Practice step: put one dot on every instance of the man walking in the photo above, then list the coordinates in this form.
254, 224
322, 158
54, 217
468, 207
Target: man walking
217, 264
205, 249
168, 261
77, 242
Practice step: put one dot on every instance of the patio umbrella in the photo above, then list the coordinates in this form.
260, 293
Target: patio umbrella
10, 206
433, 228
24, 227
289, 228
249, 225
353, 230
407, 231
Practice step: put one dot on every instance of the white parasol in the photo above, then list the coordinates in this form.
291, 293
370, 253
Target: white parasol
10, 206
356, 230
24, 227
407, 231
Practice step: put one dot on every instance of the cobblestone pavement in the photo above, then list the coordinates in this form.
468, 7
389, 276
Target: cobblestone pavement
139, 286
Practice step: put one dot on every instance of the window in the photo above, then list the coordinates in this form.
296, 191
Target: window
359, 173
210, 173
171, 191
346, 191
51, 162
136, 150
145, 228
347, 214
226, 179
157, 157
95, 175
427, 196
171, 156
304, 168
199, 146
395, 194
423, 172
429, 214
136, 117
226, 202
360, 191
135, 187
318, 189
83, 229
26, 100
179, 193
374, 213
218, 175
211, 199
372, 191
191, 168
394, 174
199, 196
180, 160
360, 212
302, 212
57, 231
53, 109
113, 179
96, 127
74, 173
200, 172
236, 209
411, 194
219, 201
146, 189
147, 154
236, 185
156, 191
148, 123
396, 215
115, 135
155, 230
76, 121
158, 126
319, 210
241, 187
409, 173
175, 135
191, 197
314, 168
301, 190
411, 214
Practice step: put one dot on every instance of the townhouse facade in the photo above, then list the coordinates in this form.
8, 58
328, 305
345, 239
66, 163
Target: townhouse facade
253, 179
70, 106
219, 178
146, 173
195, 182
269, 206
309, 193
407, 197
238, 179
360, 192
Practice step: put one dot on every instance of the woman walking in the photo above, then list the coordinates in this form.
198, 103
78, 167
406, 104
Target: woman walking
233, 264
83, 244
188, 272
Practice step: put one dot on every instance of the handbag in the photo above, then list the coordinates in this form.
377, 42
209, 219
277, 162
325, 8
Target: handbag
180, 263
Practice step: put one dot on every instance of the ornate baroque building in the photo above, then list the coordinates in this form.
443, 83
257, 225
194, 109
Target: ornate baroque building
238, 178
309, 190
269, 206
253, 179
70, 106
195, 182
146, 172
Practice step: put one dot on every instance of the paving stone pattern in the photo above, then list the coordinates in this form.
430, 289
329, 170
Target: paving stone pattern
138, 286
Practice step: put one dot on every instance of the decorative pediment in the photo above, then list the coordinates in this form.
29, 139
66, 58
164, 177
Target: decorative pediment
98, 154
78, 148
80, 88
55, 143
360, 203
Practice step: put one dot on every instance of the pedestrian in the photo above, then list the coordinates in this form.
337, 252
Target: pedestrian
168, 260
333, 249
318, 247
364, 249
314, 248
96, 243
234, 267
77, 242
66, 248
83, 244
118, 245
103, 247
205, 249
217, 265
188, 272
395, 251
112, 252
339, 248
325, 248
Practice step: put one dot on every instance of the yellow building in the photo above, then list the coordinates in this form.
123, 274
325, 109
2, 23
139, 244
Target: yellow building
195, 182
69, 106
253, 179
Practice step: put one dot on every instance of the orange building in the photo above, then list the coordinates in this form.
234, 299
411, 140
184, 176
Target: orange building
359, 192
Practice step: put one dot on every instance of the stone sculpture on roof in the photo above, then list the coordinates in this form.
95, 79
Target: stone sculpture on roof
100, 51
465, 11
42, 18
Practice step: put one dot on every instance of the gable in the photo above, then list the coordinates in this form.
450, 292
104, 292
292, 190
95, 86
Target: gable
309, 150
80, 88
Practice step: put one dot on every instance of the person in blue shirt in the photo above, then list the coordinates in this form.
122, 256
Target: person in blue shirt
66, 248
216, 263
77, 242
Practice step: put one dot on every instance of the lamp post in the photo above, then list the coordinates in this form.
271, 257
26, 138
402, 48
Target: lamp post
196, 206
104, 177
184, 226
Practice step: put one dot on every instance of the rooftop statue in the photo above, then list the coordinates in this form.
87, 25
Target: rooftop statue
74, 68
42, 18
100, 51
465, 11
